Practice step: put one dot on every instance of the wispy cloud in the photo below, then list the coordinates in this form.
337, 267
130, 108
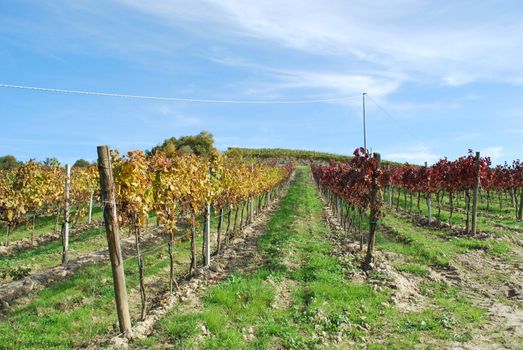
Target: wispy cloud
171, 115
423, 39
414, 154
494, 152
346, 83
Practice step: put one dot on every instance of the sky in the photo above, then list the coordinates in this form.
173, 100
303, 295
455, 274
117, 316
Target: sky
442, 77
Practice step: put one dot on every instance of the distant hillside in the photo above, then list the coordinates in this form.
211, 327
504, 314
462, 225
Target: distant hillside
287, 153
280, 153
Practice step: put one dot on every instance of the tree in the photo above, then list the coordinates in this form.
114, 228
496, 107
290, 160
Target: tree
170, 149
235, 153
8, 162
185, 150
200, 145
81, 163
52, 162
168, 146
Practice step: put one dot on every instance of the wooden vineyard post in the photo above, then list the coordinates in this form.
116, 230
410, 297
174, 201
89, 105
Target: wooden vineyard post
207, 236
91, 207
374, 212
429, 204
251, 207
219, 231
475, 193
338, 215
520, 212
390, 191
113, 237
67, 209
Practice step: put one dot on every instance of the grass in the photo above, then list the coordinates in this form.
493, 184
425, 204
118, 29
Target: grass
323, 309
48, 255
72, 312
413, 268
432, 246
403, 238
484, 223
45, 224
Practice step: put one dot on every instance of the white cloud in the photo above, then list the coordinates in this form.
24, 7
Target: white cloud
452, 42
344, 83
458, 79
495, 153
348, 83
416, 154
171, 116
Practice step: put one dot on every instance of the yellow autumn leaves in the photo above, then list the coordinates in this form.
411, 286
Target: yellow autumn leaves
39, 189
184, 184
169, 186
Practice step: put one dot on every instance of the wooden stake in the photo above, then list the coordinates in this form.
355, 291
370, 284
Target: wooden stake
475, 194
207, 237
172, 281
429, 202
91, 207
219, 232
113, 238
251, 211
369, 257
67, 209
520, 212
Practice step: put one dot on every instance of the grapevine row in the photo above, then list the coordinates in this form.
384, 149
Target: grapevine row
184, 187
353, 189
33, 190
457, 179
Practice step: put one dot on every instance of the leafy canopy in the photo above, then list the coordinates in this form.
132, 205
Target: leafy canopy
201, 145
8, 162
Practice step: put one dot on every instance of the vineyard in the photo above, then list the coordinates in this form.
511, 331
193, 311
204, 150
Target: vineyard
269, 153
244, 249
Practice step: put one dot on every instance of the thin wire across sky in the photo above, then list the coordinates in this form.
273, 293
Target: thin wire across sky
200, 100
176, 99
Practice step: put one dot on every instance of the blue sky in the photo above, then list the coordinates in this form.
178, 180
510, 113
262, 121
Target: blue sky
449, 75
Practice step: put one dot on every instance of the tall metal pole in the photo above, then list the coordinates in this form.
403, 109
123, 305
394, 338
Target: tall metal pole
364, 124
